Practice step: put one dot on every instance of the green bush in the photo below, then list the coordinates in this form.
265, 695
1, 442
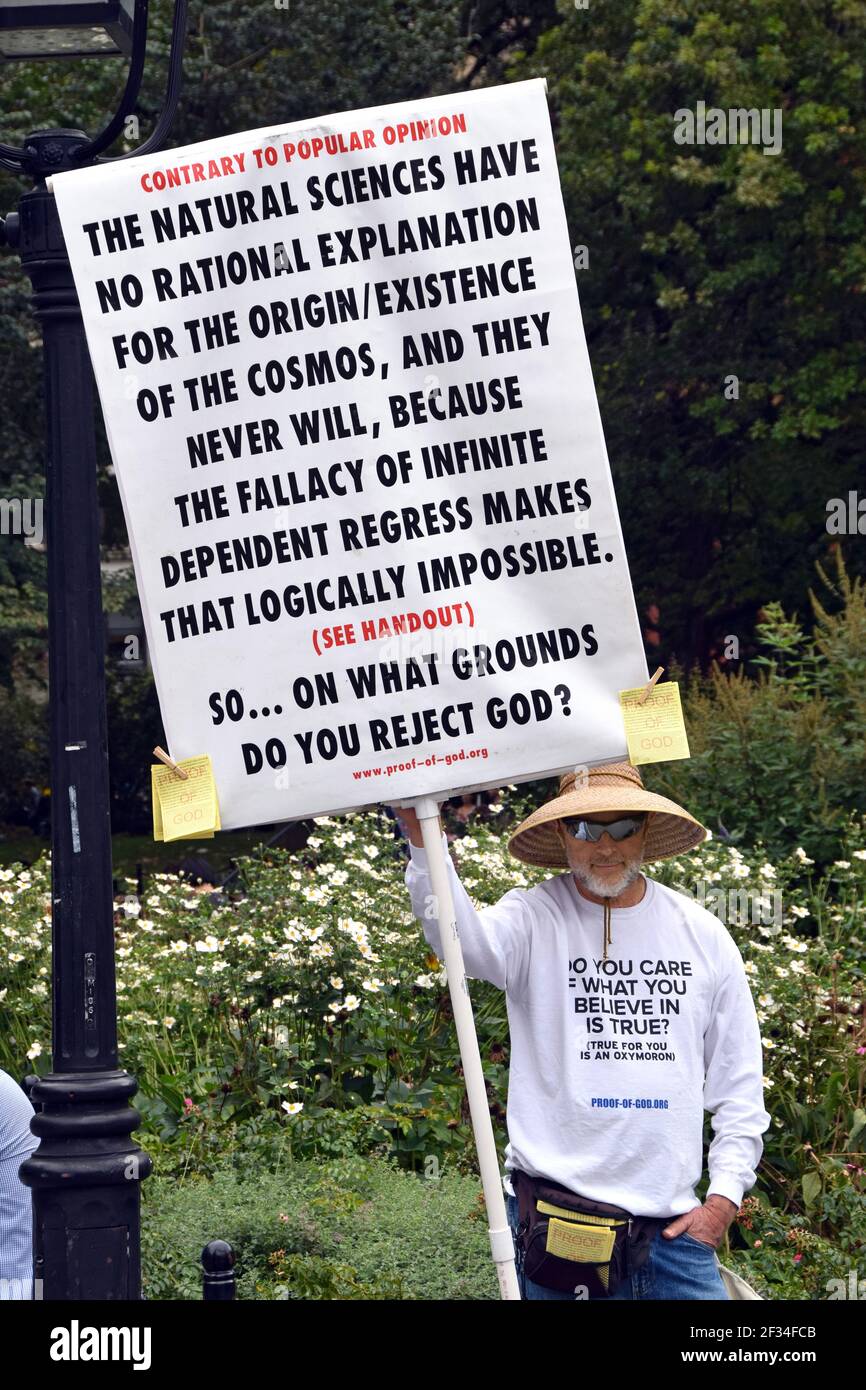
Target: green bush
24, 739
352, 1228
782, 758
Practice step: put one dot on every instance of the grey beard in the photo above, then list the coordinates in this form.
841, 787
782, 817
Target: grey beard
603, 888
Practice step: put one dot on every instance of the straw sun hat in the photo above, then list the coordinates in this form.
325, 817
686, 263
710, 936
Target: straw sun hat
612, 787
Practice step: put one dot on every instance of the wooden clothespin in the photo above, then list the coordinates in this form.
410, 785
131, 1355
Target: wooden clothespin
169, 762
649, 685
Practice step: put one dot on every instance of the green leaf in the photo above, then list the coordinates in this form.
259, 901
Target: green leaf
811, 1188
859, 1122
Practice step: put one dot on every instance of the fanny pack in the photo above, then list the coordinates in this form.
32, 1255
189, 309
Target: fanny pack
566, 1240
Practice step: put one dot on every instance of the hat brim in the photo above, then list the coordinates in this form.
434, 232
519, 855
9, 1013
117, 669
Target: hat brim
671, 830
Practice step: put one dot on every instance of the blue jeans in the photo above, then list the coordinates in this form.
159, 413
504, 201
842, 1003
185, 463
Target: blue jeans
676, 1268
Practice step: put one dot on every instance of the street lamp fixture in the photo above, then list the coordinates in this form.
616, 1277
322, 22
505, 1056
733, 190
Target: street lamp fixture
66, 29
87, 1171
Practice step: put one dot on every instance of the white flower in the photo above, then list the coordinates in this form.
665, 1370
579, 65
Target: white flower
373, 985
34, 1050
768, 1042
767, 871
371, 851
795, 943
351, 1002
178, 946
131, 907
336, 982
209, 944
799, 911
246, 939
169, 1021
841, 864
292, 1107
255, 975
802, 856
424, 981
317, 895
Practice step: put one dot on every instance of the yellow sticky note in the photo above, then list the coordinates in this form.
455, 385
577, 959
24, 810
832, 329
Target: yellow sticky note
157, 813
655, 730
185, 810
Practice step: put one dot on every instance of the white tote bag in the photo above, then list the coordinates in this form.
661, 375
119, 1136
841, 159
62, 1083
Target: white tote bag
737, 1287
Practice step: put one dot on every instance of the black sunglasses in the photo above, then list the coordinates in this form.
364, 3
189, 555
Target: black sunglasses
584, 829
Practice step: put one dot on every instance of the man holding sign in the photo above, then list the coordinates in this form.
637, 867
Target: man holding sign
630, 1013
351, 411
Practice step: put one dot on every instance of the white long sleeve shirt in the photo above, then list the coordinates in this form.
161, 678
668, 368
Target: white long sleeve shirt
613, 1063
16, 1203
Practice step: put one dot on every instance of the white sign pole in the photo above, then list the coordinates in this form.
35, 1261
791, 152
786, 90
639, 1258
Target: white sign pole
498, 1229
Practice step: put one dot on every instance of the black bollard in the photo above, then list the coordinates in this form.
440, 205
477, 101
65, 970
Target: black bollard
218, 1265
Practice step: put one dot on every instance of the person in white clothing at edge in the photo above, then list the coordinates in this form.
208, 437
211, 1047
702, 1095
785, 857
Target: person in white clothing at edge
17, 1142
630, 1014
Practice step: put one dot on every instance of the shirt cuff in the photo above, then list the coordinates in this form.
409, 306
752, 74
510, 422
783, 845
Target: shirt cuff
418, 855
727, 1185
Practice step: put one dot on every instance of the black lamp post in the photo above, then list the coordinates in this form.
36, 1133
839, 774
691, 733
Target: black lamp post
86, 1171
66, 29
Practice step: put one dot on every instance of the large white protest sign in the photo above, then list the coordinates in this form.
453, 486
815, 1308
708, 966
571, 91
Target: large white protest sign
353, 421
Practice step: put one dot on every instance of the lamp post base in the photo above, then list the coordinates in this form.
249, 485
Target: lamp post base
86, 1177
